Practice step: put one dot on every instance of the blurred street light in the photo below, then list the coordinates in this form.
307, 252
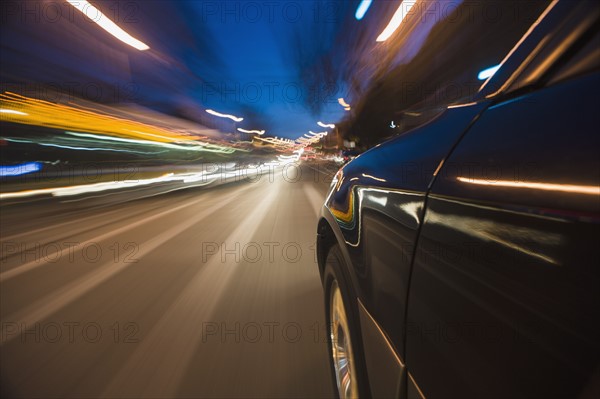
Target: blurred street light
220, 115
488, 72
396, 20
105, 23
239, 129
362, 9
329, 125
344, 104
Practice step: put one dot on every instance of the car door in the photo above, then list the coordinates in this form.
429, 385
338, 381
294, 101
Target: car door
504, 296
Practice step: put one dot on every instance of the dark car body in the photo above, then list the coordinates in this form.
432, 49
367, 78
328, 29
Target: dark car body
470, 245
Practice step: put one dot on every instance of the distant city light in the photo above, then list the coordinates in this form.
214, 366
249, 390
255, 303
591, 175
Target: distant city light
329, 125
362, 9
105, 23
396, 20
488, 72
220, 115
250, 131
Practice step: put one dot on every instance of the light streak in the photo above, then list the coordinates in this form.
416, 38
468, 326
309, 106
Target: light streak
343, 103
568, 188
105, 23
362, 9
329, 125
18, 170
12, 111
250, 131
396, 20
488, 72
220, 115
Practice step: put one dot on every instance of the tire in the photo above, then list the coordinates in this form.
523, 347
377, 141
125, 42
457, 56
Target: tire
344, 340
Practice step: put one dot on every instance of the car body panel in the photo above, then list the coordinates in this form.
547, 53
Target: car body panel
362, 207
385, 369
505, 281
471, 241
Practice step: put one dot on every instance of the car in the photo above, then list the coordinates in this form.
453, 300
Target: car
461, 259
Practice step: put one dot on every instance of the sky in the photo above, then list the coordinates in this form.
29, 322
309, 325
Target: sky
260, 45
264, 61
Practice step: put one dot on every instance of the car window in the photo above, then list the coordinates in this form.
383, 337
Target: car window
569, 51
586, 59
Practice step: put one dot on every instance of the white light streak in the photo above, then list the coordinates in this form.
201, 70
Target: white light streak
220, 115
396, 20
105, 23
250, 131
329, 125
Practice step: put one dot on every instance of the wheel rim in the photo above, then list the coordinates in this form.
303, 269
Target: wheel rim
341, 346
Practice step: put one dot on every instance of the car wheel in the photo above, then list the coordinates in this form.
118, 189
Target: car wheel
345, 351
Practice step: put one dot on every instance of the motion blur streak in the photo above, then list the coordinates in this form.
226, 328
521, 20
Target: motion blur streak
362, 9
191, 146
329, 125
401, 13
12, 111
211, 281
567, 188
105, 23
228, 116
488, 72
203, 176
44, 113
71, 292
343, 103
16, 271
88, 188
250, 131
18, 170
171, 290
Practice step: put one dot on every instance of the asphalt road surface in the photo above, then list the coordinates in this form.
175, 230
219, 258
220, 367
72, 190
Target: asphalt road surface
194, 293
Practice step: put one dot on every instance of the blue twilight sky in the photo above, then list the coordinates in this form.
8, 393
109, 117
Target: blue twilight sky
278, 64
261, 60
265, 48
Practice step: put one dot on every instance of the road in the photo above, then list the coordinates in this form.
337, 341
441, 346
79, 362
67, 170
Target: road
194, 293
